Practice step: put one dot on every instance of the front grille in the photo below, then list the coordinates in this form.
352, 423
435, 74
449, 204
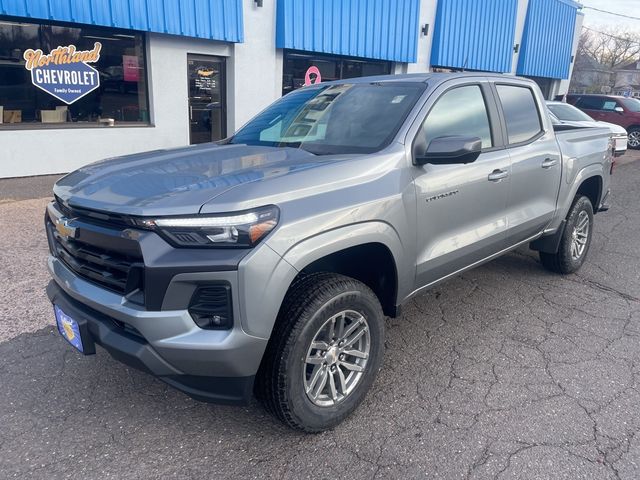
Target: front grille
93, 216
99, 262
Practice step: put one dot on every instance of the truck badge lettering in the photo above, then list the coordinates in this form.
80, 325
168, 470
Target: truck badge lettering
442, 195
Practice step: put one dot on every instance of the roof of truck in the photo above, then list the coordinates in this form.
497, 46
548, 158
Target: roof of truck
422, 77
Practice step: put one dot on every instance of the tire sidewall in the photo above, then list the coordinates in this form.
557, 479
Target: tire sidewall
582, 204
320, 418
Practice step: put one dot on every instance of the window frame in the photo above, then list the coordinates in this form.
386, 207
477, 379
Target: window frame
82, 125
536, 102
495, 128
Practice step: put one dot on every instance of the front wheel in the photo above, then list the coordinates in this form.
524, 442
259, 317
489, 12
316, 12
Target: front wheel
324, 353
634, 138
575, 240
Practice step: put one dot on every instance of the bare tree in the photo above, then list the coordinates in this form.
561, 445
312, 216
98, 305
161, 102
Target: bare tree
610, 48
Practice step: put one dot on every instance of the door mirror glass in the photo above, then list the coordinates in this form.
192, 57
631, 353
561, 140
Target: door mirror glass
619, 110
454, 149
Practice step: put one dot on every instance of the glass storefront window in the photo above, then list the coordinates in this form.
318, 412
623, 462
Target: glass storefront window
117, 94
331, 67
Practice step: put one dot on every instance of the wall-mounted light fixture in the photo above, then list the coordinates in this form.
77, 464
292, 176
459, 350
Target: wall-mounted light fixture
258, 3
425, 29
516, 48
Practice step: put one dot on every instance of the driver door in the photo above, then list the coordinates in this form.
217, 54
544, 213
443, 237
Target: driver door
461, 208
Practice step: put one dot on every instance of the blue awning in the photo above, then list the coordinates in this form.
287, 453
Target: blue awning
547, 41
380, 29
474, 34
211, 19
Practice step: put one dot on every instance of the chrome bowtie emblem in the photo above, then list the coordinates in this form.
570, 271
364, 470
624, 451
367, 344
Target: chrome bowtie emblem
64, 229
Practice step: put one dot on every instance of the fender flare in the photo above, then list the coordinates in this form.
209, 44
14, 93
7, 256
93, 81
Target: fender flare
279, 270
318, 246
593, 170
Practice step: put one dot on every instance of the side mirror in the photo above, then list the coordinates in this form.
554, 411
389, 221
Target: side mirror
446, 150
620, 110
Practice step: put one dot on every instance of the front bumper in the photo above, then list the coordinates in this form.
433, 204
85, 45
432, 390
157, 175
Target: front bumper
210, 365
619, 145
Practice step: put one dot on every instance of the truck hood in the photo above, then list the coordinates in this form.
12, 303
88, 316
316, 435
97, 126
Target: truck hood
178, 181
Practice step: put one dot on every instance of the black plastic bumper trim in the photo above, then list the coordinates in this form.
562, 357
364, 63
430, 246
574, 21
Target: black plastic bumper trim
134, 351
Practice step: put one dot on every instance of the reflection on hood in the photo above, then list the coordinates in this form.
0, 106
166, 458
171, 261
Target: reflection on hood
184, 178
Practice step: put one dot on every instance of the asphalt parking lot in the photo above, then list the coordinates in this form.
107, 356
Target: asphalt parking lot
506, 371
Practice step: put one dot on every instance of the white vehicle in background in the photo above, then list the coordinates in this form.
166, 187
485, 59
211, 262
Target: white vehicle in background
565, 113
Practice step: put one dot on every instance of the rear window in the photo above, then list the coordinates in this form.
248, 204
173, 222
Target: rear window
631, 104
520, 112
590, 103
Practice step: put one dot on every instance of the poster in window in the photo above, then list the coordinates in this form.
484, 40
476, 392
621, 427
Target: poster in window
130, 68
205, 79
65, 72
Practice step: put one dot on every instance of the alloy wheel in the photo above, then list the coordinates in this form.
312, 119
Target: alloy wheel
337, 358
580, 235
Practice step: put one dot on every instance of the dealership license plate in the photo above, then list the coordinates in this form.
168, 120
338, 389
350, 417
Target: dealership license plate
68, 328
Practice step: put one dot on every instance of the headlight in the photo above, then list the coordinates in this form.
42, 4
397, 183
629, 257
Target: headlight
240, 229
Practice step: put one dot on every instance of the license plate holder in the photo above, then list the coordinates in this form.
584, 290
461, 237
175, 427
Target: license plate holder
73, 331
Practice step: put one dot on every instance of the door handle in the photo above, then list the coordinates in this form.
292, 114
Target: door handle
549, 162
498, 175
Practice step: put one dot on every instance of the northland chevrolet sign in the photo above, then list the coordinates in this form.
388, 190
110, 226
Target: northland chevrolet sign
64, 73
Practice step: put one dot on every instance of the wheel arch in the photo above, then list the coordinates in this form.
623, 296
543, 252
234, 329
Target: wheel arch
370, 252
380, 276
589, 182
591, 187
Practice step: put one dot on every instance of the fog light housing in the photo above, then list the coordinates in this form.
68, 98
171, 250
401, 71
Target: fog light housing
211, 307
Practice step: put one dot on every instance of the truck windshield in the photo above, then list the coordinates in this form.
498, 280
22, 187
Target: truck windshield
334, 119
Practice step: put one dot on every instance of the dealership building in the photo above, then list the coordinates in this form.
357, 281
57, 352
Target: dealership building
84, 80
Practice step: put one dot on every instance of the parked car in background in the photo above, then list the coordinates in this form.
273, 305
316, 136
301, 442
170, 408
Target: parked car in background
268, 262
622, 111
568, 114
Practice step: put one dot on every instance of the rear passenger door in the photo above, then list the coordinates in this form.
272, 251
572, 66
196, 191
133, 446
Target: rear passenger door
535, 161
608, 113
460, 208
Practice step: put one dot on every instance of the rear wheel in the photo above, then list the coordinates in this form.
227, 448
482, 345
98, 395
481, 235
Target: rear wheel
634, 138
324, 353
575, 240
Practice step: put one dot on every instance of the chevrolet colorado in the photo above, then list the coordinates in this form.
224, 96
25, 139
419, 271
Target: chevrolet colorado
266, 264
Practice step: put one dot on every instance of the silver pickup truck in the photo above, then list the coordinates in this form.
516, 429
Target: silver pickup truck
266, 264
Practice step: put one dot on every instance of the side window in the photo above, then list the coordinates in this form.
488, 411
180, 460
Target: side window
460, 111
590, 103
518, 105
609, 105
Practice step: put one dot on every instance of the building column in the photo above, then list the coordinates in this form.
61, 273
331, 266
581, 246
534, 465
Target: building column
423, 58
255, 68
521, 17
562, 86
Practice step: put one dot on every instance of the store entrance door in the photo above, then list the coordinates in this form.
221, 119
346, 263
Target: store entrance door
207, 99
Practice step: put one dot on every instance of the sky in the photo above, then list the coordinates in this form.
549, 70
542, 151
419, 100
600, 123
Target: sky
596, 19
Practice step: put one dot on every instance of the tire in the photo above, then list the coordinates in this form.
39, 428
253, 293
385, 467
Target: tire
569, 258
634, 138
311, 306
